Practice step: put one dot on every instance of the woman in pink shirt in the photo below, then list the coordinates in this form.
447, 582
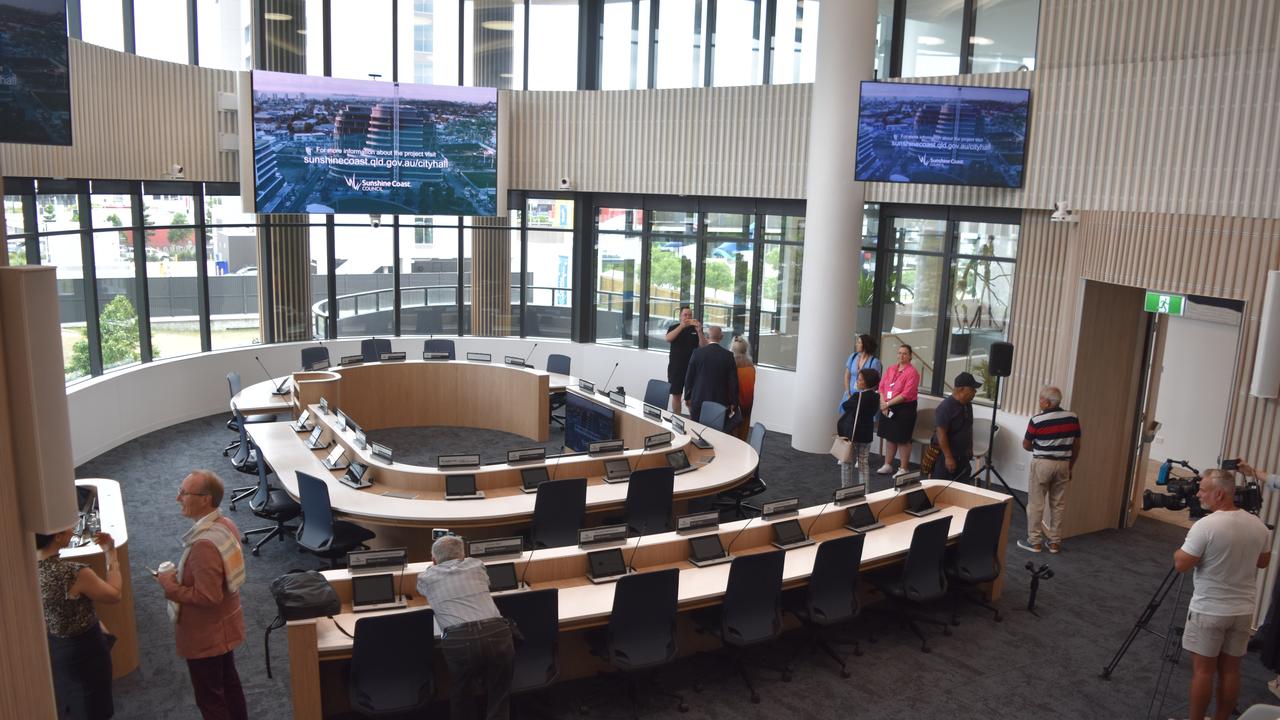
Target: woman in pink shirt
898, 390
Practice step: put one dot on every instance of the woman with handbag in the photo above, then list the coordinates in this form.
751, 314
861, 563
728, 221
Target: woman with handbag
857, 426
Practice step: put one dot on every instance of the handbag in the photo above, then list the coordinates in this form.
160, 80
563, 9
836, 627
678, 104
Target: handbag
842, 449
300, 595
928, 458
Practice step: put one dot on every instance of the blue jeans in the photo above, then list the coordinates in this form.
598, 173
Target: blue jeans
481, 651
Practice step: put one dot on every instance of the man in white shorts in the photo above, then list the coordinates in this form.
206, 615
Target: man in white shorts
1226, 548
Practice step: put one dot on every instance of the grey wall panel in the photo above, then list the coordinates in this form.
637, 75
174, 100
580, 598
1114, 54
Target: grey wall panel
132, 117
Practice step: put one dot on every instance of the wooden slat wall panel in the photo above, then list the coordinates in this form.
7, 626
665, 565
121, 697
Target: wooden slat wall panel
1041, 287
131, 118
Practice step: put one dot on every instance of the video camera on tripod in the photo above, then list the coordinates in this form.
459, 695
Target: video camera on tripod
1181, 491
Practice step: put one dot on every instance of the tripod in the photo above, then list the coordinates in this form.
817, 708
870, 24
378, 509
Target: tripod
988, 460
1172, 638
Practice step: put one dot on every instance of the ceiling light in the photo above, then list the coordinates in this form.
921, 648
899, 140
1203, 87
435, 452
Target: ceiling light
278, 17
930, 40
501, 25
979, 40
301, 31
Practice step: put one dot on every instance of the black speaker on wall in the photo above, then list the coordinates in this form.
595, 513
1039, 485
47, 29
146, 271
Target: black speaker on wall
1000, 359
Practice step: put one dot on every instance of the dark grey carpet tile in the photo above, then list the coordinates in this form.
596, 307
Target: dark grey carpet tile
1024, 667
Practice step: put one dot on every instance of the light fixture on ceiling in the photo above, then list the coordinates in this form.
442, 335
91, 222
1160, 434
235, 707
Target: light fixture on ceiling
929, 40
301, 31
499, 25
278, 17
979, 40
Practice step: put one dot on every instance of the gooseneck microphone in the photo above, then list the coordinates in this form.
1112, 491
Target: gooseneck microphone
525, 571
279, 389
604, 389
735, 537
526, 357
630, 562
809, 530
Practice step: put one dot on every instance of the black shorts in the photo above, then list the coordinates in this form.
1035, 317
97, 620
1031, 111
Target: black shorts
898, 429
675, 378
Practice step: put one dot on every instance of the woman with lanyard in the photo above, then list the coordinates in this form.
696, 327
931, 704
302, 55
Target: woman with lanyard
898, 390
863, 357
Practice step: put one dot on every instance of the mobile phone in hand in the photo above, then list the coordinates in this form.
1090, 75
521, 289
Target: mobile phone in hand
1232, 464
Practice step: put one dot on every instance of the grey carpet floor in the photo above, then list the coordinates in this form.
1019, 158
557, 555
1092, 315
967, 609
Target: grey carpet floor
1027, 666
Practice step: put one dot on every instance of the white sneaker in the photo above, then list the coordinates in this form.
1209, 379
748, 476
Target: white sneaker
901, 472
885, 469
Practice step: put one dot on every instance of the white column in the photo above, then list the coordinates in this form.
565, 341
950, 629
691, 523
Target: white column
833, 222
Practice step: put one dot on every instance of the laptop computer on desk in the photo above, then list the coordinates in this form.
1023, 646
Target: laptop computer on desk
375, 592
919, 504
461, 487
706, 550
788, 535
605, 566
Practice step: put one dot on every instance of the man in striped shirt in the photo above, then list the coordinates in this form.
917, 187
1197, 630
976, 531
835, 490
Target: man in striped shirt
1053, 437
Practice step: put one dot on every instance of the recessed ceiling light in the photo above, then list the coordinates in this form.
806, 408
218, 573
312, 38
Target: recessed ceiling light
301, 31
505, 75
930, 40
979, 40
501, 25
278, 17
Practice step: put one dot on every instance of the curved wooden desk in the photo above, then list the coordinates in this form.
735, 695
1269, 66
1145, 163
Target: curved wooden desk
118, 617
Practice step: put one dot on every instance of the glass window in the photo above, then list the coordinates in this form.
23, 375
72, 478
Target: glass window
102, 23
915, 288
553, 45
681, 40
58, 213
780, 290
624, 45
219, 26
173, 264
726, 284
14, 214
233, 287
110, 210
618, 276
884, 37
549, 268
428, 42
363, 266
867, 276
64, 252
738, 57
981, 297
1004, 36
795, 41
493, 44
226, 210
931, 41
118, 302
161, 210
319, 241
672, 262
160, 29
360, 38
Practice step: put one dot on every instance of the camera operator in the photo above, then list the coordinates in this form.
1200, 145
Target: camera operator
1267, 639
1225, 548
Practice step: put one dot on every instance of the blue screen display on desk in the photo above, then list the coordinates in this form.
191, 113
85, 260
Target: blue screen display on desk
585, 422
942, 134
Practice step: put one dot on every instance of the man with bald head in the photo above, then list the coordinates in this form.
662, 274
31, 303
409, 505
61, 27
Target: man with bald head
712, 375
1226, 548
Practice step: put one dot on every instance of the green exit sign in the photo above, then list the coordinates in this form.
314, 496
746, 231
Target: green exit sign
1163, 303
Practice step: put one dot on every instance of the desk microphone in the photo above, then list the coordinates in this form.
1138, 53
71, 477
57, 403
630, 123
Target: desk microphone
526, 357
527, 563
809, 530
630, 563
404, 570
604, 389
555, 467
279, 389
934, 499
735, 537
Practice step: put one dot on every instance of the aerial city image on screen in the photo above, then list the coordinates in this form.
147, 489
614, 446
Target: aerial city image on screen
942, 134
35, 87
327, 145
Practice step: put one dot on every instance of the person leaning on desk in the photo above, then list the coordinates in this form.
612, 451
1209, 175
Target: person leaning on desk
475, 638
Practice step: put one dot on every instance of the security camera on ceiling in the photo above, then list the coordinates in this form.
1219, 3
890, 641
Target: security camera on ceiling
175, 172
1062, 212
375, 219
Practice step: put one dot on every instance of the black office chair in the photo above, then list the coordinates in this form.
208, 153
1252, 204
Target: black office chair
245, 460
658, 393
642, 630
391, 657
536, 614
713, 414
736, 498
559, 364
831, 597
320, 533
976, 557
648, 504
371, 349
440, 345
922, 579
235, 386
558, 513
273, 505
314, 354
751, 613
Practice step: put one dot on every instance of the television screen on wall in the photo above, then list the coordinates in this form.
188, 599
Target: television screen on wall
35, 84
328, 145
942, 134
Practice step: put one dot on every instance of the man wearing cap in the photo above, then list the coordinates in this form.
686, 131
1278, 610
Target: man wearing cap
953, 430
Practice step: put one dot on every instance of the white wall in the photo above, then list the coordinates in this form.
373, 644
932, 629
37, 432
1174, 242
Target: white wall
1195, 390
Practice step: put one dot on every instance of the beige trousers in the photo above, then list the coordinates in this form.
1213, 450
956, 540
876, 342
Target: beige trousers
1049, 479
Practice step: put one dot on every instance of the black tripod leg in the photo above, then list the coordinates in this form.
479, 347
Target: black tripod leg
1147, 613
992, 469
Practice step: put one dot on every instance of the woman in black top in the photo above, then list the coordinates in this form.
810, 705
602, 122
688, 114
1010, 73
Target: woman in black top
78, 650
685, 337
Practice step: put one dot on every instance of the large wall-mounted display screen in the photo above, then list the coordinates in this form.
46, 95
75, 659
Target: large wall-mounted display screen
327, 145
942, 134
35, 85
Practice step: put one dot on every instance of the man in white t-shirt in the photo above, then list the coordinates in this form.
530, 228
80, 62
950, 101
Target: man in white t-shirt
1226, 548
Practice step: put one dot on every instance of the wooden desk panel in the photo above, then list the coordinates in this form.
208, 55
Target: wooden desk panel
118, 617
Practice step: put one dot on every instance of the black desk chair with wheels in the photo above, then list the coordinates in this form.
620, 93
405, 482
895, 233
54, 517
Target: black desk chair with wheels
736, 498
559, 510
831, 597
371, 349
976, 557
642, 630
234, 385
320, 533
648, 504
391, 657
314, 354
536, 614
658, 393
440, 345
713, 415
273, 505
751, 613
246, 460
559, 364
922, 579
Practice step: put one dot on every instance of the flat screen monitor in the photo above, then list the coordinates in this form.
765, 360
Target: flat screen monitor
532, 477
788, 532
942, 134
460, 485
35, 77
586, 422
502, 576
606, 563
706, 547
325, 145
372, 589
